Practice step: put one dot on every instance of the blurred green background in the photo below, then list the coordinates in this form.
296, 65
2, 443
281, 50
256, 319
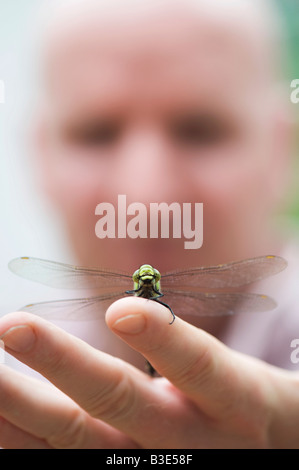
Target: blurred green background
289, 9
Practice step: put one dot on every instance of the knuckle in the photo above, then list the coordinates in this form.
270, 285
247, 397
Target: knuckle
113, 403
198, 371
53, 364
72, 433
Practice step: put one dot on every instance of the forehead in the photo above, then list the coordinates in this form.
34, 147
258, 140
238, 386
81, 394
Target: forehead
154, 48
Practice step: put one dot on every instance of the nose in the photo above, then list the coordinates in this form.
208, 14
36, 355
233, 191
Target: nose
146, 168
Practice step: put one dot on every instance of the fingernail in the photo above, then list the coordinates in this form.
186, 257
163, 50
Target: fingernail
130, 324
19, 338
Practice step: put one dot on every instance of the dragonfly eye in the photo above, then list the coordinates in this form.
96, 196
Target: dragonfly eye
157, 275
136, 275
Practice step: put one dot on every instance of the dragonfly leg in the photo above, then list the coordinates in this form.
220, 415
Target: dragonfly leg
132, 291
157, 299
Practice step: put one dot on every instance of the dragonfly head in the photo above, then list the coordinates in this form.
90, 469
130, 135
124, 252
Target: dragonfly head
146, 274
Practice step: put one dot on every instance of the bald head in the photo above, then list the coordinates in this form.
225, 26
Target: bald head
137, 90
252, 23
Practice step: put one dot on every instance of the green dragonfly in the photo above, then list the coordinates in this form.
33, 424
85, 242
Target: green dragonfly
199, 291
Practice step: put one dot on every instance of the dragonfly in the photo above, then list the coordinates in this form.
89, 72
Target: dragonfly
197, 291
186, 289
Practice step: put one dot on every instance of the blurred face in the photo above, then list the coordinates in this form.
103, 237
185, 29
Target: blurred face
163, 105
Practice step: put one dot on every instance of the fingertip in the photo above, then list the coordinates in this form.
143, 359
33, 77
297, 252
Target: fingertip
14, 319
127, 315
20, 338
134, 314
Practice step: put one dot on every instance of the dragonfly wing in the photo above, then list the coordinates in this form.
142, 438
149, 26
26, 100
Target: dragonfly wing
66, 276
234, 274
216, 304
73, 309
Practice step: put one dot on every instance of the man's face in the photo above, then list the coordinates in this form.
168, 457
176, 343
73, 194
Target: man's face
162, 107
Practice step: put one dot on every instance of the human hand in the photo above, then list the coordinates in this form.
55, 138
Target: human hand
208, 396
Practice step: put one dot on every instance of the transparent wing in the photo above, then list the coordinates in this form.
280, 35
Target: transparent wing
73, 309
234, 274
67, 276
182, 303
216, 304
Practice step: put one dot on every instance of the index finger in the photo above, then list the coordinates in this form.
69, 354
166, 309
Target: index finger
202, 367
